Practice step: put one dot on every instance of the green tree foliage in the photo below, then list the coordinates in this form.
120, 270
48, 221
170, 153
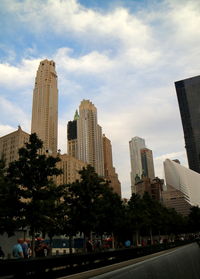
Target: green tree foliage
82, 199
92, 205
110, 214
136, 215
149, 217
32, 174
10, 204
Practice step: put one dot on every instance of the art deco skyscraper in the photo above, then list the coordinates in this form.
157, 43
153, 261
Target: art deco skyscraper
188, 93
135, 145
89, 135
45, 106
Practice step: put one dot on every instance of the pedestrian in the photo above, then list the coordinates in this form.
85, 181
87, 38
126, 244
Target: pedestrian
127, 243
29, 251
41, 248
24, 245
89, 246
2, 255
17, 250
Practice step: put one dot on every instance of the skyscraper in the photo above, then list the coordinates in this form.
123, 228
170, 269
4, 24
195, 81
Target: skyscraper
72, 141
135, 145
110, 173
45, 106
188, 94
87, 144
147, 163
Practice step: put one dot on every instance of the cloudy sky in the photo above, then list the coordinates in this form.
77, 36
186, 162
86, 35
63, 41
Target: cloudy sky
122, 55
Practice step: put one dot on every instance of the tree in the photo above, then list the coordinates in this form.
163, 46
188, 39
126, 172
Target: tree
136, 215
110, 214
10, 204
83, 200
32, 174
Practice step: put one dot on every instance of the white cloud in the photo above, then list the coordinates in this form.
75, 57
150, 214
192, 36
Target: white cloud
20, 75
11, 113
92, 63
6, 129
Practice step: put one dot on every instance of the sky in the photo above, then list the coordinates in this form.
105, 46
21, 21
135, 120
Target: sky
124, 56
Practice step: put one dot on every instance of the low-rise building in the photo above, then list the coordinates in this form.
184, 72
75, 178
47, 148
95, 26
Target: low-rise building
153, 187
70, 167
10, 144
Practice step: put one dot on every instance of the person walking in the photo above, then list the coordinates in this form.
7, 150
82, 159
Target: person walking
17, 250
24, 245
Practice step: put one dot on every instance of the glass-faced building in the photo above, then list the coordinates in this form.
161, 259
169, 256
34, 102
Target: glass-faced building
188, 94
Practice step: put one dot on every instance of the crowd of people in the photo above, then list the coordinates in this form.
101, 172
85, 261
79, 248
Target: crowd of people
23, 249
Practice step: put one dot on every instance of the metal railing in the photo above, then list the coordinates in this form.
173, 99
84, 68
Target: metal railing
62, 265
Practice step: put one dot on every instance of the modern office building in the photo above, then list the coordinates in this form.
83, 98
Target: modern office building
10, 144
89, 137
45, 106
188, 94
183, 189
147, 163
135, 145
110, 173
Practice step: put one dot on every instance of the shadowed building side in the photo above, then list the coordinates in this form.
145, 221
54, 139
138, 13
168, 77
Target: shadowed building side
72, 141
110, 173
147, 163
188, 94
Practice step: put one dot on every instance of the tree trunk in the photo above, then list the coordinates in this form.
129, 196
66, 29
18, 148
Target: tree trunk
33, 243
137, 237
70, 244
151, 236
113, 241
84, 243
50, 248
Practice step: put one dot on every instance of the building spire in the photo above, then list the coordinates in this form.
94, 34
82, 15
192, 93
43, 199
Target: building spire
76, 115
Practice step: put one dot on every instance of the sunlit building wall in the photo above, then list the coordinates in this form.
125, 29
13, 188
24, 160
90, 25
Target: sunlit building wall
184, 180
10, 144
89, 137
45, 106
70, 167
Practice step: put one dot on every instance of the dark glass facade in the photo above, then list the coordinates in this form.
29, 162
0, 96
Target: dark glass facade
188, 94
72, 130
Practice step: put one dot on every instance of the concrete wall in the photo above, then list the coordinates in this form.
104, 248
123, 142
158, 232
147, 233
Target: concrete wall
182, 263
